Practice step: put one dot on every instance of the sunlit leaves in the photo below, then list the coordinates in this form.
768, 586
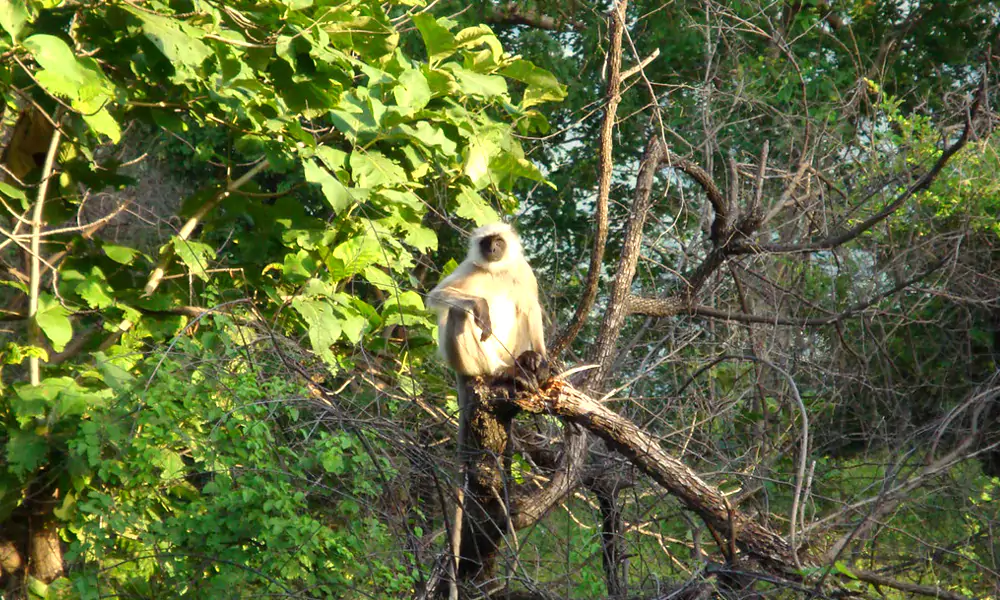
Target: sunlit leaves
195, 255
53, 319
542, 85
373, 169
334, 191
77, 79
470, 205
120, 254
412, 93
13, 16
365, 140
440, 42
179, 42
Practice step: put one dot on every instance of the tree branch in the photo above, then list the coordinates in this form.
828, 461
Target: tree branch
35, 274
606, 161
512, 14
561, 399
922, 183
676, 305
602, 351
903, 586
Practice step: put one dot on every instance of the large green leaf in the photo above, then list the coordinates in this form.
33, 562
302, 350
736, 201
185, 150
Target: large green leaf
179, 42
477, 84
357, 253
372, 169
53, 319
334, 191
439, 41
13, 16
324, 327
471, 205
412, 93
77, 79
542, 85
195, 255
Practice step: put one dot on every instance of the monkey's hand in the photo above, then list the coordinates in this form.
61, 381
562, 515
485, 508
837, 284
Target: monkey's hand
530, 371
481, 313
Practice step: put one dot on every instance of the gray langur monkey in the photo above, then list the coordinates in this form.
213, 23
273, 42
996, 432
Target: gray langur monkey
489, 323
488, 309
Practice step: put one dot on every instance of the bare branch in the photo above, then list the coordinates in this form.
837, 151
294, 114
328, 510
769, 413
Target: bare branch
903, 586
606, 161
563, 400
922, 183
602, 352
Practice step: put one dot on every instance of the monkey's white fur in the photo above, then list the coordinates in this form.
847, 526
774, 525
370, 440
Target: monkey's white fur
508, 287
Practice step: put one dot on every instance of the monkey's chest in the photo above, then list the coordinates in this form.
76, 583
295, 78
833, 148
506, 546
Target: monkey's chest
480, 357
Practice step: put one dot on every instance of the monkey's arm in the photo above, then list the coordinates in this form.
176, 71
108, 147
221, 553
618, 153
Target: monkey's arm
449, 298
536, 330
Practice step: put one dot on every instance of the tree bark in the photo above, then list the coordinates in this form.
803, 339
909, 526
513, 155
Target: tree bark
612, 542
561, 399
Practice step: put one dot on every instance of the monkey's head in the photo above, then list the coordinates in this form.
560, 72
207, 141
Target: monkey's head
495, 247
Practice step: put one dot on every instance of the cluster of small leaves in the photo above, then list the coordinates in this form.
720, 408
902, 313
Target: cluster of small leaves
212, 481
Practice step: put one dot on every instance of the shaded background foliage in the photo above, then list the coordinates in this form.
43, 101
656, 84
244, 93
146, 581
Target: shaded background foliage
177, 442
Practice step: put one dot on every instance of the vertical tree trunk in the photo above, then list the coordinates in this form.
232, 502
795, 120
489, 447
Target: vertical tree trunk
612, 542
487, 463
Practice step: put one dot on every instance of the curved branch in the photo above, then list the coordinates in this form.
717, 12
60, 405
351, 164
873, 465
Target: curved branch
566, 337
35, 275
561, 399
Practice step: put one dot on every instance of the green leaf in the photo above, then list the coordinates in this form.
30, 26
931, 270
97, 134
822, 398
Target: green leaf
13, 16
431, 136
95, 291
26, 451
352, 322
420, 237
170, 463
15, 194
471, 206
333, 158
78, 79
480, 152
356, 254
324, 326
477, 84
333, 462
195, 255
372, 169
53, 319
380, 279
179, 42
120, 254
542, 85
472, 37
843, 570
412, 93
440, 42
334, 191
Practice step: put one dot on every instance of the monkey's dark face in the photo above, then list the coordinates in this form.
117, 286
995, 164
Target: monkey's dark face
493, 248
